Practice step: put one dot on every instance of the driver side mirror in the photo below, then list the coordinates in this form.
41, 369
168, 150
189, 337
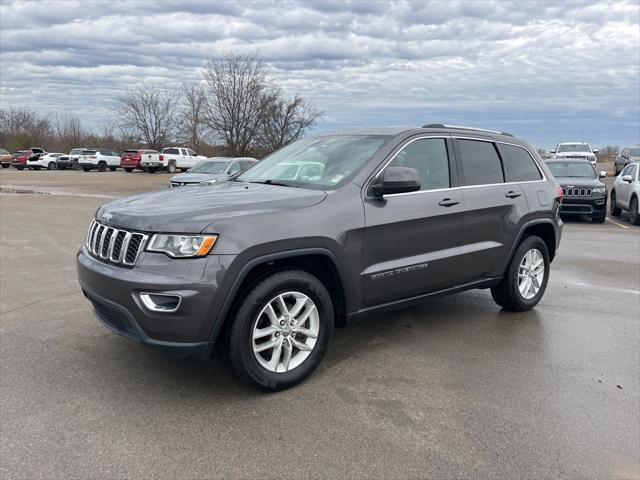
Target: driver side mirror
552, 151
595, 151
627, 178
397, 180
603, 174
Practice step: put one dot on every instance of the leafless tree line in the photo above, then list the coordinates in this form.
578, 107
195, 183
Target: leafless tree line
236, 109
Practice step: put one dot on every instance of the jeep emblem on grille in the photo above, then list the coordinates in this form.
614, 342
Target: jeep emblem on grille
106, 216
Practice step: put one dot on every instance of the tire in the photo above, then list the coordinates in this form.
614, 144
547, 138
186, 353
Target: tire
634, 215
113, 169
507, 293
128, 170
614, 209
151, 169
86, 169
20, 168
51, 166
6, 165
599, 218
102, 166
238, 340
171, 167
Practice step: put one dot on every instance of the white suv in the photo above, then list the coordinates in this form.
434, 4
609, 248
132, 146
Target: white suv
625, 193
575, 150
101, 159
180, 158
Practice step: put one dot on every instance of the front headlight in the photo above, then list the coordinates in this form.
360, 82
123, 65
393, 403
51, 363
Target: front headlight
182, 246
600, 190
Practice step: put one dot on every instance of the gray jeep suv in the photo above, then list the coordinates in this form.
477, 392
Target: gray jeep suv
266, 265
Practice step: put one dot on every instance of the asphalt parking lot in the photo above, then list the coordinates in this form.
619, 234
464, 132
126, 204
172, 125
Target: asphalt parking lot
454, 388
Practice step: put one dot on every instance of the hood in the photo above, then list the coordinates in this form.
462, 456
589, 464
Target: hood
190, 210
579, 182
198, 177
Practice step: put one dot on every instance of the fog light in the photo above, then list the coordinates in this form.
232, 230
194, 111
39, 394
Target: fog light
599, 202
161, 302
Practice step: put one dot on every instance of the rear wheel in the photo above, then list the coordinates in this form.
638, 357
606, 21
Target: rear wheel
102, 166
113, 169
526, 279
6, 165
280, 331
86, 169
615, 210
634, 216
171, 167
128, 170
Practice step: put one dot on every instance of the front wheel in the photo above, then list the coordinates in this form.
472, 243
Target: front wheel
634, 216
51, 166
615, 210
86, 169
280, 331
102, 166
526, 279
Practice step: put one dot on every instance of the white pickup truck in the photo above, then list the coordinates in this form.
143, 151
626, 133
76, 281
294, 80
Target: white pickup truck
172, 159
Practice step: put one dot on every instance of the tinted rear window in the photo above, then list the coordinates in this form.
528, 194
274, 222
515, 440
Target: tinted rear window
518, 164
171, 151
480, 162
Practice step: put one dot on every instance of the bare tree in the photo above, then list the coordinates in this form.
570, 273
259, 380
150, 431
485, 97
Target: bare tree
23, 128
68, 132
150, 112
285, 121
235, 100
192, 129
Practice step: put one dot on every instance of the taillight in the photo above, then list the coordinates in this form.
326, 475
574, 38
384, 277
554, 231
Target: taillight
162, 158
558, 193
137, 157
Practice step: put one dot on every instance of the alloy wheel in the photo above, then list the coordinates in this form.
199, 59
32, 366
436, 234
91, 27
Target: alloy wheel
531, 273
285, 332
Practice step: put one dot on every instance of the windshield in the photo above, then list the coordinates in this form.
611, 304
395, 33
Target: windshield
634, 152
317, 163
574, 147
572, 169
3, 152
209, 167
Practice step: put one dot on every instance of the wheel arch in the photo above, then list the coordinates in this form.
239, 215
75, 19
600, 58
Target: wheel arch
320, 262
543, 228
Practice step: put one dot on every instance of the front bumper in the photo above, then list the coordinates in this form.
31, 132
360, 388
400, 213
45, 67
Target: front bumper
592, 206
114, 292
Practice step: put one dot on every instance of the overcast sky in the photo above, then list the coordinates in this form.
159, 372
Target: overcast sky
546, 71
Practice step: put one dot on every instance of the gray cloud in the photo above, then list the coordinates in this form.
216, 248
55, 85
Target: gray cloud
546, 70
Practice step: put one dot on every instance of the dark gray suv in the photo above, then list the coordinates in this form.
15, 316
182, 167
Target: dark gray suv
324, 230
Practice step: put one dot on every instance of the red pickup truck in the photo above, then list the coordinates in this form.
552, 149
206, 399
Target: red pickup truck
130, 159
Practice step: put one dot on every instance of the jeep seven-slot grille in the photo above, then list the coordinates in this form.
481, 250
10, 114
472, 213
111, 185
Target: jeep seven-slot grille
576, 192
114, 245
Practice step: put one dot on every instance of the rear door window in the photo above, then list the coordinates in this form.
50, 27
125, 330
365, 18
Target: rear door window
518, 164
480, 162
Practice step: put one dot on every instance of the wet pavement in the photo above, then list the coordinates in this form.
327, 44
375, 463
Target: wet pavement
454, 388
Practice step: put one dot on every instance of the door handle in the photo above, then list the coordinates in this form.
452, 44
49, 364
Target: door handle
512, 194
448, 202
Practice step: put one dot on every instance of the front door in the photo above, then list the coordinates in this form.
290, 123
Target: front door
411, 240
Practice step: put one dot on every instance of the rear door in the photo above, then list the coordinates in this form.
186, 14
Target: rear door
412, 240
494, 209
623, 190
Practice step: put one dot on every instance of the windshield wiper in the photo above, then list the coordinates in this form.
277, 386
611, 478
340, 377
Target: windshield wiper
274, 182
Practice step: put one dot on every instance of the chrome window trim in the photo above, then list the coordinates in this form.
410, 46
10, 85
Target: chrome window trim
385, 165
542, 180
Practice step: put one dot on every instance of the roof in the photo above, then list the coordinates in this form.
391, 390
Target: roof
437, 127
568, 160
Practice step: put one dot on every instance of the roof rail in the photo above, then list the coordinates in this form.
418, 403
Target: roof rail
459, 127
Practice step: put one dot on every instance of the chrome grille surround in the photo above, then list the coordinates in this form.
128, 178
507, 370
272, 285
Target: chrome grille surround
576, 192
114, 245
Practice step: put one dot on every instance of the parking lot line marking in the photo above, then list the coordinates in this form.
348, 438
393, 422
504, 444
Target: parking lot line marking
618, 224
600, 287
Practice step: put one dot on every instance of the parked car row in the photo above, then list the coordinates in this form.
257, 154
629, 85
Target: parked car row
170, 159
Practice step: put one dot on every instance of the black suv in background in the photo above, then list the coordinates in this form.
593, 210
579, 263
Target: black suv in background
583, 192
267, 264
